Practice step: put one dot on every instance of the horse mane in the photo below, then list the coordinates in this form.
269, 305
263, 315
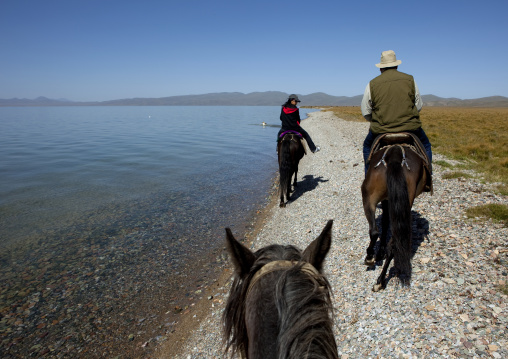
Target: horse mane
303, 304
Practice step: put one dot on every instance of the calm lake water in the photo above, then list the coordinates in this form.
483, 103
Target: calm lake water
111, 211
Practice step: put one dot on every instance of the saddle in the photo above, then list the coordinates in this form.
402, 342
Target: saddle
406, 139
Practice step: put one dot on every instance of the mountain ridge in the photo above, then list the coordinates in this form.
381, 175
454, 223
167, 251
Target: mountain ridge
267, 98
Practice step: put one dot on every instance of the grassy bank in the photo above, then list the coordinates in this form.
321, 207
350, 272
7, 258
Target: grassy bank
476, 138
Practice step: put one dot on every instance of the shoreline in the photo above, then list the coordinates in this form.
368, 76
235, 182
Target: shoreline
174, 345
454, 307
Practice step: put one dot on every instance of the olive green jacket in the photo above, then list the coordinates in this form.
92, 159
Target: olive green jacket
393, 103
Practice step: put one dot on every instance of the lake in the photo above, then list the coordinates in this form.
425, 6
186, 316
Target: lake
113, 217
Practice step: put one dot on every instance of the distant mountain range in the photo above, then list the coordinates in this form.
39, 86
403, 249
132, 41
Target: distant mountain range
268, 98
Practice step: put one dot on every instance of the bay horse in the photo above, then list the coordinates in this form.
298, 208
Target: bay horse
290, 150
279, 305
399, 172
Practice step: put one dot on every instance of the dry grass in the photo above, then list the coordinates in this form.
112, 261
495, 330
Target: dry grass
348, 113
455, 174
478, 137
497, 212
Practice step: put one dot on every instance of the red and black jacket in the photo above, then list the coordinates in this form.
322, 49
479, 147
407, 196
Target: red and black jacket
290, 118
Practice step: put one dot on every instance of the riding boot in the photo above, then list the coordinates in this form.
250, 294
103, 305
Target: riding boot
427, 185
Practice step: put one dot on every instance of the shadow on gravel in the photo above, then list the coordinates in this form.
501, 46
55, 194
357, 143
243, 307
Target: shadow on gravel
308, 183
420, 231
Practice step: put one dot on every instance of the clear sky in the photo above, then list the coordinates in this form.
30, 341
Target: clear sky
97, 50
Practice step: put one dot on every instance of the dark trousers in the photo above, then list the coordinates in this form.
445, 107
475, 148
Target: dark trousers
305, 135
369, 140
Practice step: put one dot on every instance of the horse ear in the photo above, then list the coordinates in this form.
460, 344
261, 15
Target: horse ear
241, 256
316, 252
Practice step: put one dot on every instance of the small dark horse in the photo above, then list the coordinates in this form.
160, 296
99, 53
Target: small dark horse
397, 174
291, 150
279, 305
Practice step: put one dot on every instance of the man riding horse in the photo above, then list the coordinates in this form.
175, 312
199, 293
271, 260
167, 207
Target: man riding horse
392, 103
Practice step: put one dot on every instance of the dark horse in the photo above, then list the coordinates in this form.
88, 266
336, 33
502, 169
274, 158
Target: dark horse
279, 305
398, 173
291, 150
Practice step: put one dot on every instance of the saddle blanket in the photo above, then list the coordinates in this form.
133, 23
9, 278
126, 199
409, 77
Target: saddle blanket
290, 131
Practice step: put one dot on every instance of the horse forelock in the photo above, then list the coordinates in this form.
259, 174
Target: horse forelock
302, 303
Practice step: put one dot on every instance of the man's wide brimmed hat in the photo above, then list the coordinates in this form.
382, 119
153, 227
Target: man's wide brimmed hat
388, 59
293, 96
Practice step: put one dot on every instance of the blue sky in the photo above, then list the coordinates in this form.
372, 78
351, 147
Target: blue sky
88, 50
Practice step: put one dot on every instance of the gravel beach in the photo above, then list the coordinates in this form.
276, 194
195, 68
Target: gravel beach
454, 307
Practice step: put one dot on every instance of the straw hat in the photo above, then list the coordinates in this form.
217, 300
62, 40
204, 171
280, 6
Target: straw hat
388, 59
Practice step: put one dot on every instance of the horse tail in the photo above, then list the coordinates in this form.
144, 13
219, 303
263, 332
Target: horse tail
285, 165
400, 215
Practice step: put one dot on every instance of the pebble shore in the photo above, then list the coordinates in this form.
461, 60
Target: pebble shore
454, 307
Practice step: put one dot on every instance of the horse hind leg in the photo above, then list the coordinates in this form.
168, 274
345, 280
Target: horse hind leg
385, 225
281, 191
381, 280
370, 213
285, 190
288, 187
296, 175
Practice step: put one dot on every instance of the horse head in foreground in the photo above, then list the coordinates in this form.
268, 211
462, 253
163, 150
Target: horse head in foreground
279, 305
290, 150
399, 171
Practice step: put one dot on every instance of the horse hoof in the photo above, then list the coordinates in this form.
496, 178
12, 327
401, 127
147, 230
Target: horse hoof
377, 287
282, 205
404, 281
370, 262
